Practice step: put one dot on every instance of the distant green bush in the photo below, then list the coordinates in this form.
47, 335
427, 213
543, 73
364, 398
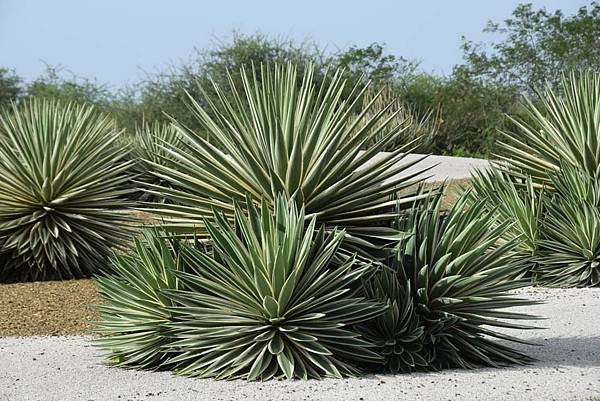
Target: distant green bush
528, 49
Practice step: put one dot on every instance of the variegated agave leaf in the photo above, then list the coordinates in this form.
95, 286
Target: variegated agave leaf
275, 136
270, 302
570, 249
520, 204
460, 273
134, 312
563, 127
62, 188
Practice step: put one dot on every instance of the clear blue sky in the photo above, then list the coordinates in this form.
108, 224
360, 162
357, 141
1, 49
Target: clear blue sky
115, 41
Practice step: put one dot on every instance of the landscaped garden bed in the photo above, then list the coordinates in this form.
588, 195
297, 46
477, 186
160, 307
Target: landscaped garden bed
286, 244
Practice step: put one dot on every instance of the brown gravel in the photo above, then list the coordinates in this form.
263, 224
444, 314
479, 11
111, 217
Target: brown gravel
47, 308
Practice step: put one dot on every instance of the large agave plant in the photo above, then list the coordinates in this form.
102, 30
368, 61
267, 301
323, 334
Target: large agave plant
134, 313
62, 181
279, 137
460, 272
273, 300
563, 126
570, 250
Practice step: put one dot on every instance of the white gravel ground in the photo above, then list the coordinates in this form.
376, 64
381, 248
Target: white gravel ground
442, 167
70, 368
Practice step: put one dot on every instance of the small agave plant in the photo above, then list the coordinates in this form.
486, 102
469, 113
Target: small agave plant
561, 128
133, 317
569, 253
62, 187
266, 299
272, 300
446, 289
547, 183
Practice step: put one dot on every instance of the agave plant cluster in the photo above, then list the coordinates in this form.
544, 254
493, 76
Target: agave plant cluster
294, 240
291, 247
548, 184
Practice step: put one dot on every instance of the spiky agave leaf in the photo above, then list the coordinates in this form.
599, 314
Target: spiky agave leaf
62, 183
270, 302
134, 311
397, 333
420, 129
148, 147
564, 126
460, 274
521, 204
570, 250
275, 136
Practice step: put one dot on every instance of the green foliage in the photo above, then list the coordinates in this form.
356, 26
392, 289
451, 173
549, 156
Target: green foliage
53, 85
570, 249
148, 147
272, 301
62, 180
564, 127
10, 87
536, 47
398, 333
135, 311
372, 63
517, 203
469, 113
460, 275
274, 138
526, 51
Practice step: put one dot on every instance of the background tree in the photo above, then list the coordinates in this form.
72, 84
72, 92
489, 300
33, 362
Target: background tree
10, 87
525, 51
54, 84
374, 64
164, 94
536, 46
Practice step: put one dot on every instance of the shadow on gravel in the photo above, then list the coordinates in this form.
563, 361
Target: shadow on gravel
563, 351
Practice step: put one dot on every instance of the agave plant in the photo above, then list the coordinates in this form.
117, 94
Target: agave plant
398, 333
134, 313
420, 130
275, 136
148, 146
62, 181
519, 203
563, 127
460, 272
570, 250
273, 300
